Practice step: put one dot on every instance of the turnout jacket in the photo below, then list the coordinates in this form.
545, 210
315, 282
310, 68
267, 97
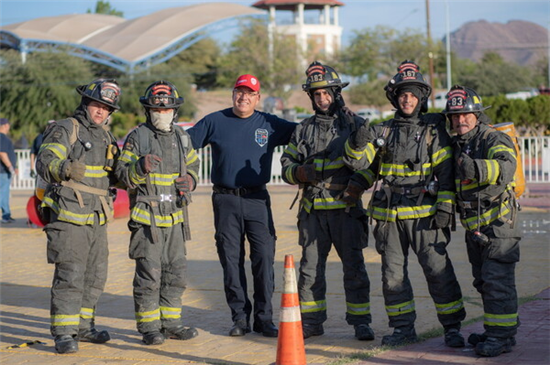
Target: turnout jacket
321, 140
494, 157
406, 154
154, 199
78, 202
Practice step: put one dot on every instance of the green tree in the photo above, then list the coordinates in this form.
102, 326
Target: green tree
41, 89
248, 53
200, 60
374, 55
492, 75
104, 7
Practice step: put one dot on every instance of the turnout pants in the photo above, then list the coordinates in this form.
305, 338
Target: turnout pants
493, 268
393, 240
160, 276
237, 217
318, 231
80, 255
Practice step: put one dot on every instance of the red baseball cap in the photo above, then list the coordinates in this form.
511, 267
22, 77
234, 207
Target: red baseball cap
249, 81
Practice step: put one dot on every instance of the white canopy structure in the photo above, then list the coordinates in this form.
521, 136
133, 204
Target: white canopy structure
127, 45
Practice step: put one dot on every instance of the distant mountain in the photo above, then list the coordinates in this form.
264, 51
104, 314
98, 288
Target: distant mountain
517, 41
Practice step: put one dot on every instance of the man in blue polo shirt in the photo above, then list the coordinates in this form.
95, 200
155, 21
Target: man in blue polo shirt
8, 169
242, 141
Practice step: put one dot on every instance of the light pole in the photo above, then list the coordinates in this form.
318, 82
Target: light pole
430, 53
448, 45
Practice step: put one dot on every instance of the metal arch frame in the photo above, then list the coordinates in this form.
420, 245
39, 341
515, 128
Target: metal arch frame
8, 39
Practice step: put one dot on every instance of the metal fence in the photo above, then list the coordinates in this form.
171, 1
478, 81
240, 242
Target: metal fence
535, 154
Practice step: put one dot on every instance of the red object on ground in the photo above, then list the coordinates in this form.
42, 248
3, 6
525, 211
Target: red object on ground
32, 211
121, 204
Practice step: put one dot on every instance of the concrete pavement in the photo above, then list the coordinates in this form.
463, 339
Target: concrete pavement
26, 278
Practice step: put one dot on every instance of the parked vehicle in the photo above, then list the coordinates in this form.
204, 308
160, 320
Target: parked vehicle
369, 114
440, 100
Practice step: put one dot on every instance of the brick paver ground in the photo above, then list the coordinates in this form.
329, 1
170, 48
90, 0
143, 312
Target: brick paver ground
26, 277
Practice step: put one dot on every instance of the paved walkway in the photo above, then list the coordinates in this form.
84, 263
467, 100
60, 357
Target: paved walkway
26, 277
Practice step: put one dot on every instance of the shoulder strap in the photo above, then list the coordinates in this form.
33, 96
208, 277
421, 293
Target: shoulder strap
76, 128
183, 141
144, 136
184, 137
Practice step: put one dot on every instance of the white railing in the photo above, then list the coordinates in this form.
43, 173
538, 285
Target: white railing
535, 157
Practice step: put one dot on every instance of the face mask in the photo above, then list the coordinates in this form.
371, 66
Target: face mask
163, 121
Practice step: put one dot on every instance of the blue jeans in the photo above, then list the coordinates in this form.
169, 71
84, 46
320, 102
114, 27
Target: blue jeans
5, 181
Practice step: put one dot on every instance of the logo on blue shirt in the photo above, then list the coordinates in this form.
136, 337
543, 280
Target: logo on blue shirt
261, 136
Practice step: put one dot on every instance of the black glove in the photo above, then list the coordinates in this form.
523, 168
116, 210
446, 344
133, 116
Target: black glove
185, 184
306, 173
442, 219
467, 167
353, 193
33, 174
148, 163
75, 170
361, 137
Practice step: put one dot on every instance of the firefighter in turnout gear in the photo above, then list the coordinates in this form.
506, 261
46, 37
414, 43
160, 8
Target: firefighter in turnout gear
331, 211
413, 206
75, 160
160, 167
485, 163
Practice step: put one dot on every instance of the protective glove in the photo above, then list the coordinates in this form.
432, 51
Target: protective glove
467, 167
306, 173
361, 137
353, 193
33, 174
185, 184
148, 164
442, 219
75, 170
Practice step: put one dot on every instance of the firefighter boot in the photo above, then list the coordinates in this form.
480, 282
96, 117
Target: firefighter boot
153, 338
400, 336
65, 344
476, 338
180, 333
363, 332
453, 338
493, 346
312, 330
92, 335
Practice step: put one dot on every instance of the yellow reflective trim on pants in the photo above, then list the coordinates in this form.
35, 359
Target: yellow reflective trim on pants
170, 312
65, 320
311, 307
87, 313
500, 320
150, 316
358, 308
399, 309
449, 308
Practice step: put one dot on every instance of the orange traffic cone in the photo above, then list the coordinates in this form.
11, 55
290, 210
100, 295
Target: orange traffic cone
290, 345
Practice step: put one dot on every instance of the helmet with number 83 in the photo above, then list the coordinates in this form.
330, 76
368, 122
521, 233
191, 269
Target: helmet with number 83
461, 100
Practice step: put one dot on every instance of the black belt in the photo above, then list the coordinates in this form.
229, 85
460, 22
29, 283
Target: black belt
238, 191
407, 191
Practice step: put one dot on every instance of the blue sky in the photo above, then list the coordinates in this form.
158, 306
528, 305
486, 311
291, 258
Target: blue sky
355, 15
